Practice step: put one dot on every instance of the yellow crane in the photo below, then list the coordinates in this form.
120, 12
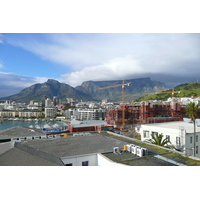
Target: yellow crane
123, 98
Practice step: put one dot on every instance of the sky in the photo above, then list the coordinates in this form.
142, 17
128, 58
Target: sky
72, 58
113, 42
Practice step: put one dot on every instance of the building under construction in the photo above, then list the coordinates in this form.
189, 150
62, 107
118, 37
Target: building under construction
146, 112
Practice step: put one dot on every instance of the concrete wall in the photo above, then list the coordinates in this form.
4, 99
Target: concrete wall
185, 144
77, 160
93, 160
190, 145
6, 147
104, 161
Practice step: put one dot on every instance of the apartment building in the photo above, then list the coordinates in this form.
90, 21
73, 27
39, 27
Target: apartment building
180, 134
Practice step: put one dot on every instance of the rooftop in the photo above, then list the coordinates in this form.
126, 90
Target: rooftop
17, 157
76, 123
76, 145
189, 127
19, 131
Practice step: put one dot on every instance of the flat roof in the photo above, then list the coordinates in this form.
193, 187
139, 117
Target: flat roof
189, 127
17, 157
20, 131
75, 145
87, 123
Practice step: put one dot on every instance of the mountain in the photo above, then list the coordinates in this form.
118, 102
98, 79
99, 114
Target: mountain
50, 89
134, 91
88, 91
183, 90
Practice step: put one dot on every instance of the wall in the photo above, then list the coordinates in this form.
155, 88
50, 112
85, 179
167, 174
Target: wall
77, 160
5, 147
185, 145
94, 160
104, 161
190, 146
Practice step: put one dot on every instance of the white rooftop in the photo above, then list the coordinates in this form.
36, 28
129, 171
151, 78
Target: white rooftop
189, 127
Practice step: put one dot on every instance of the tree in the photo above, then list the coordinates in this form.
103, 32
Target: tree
158, 140
191, 110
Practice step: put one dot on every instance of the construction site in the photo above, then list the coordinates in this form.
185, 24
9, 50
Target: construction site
145, 112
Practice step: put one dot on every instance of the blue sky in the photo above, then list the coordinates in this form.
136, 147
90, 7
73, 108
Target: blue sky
26, 59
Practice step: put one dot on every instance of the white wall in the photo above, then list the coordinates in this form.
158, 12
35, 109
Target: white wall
6, 146
104, 161
77, 160
94, 160
190, 146
165, 131
173, 133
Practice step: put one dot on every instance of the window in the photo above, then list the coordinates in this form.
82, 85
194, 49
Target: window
177, 140
196, 149
168, 137
69, 164
190, 139
146, 134
85, 163
196, 138
153, 133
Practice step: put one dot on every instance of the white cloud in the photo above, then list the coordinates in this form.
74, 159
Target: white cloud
116, 68
13, 83
1, 65
115, 56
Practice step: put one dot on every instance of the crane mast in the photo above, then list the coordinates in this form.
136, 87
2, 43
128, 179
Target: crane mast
123, 98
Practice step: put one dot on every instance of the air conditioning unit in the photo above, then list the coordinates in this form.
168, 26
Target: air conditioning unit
133, 149
139, 151
129, 147
116, 150
144, 152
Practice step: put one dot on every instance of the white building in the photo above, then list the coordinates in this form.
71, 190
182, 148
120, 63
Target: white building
180, 134
48, 102
50, 112
91, 114
86, 114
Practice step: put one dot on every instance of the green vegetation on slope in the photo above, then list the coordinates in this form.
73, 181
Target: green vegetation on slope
187, 90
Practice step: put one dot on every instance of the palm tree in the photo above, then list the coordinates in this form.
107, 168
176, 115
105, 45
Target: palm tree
191, 110
158, 140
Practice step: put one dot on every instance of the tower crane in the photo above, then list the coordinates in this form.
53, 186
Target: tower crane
123, 98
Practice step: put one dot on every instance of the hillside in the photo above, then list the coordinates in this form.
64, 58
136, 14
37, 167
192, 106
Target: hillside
187, 90
88, 91
134, 91
50, 89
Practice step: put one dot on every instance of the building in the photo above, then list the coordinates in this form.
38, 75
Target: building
67, 151
146, 112
86, 114
50, 112
29, 113
88, 125
180, 134
91, 114
20, 133
48, 102
5, 113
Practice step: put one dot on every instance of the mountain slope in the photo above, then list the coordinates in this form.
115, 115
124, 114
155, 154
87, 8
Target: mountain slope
186, 90
50, 88
134, 91
88, 91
